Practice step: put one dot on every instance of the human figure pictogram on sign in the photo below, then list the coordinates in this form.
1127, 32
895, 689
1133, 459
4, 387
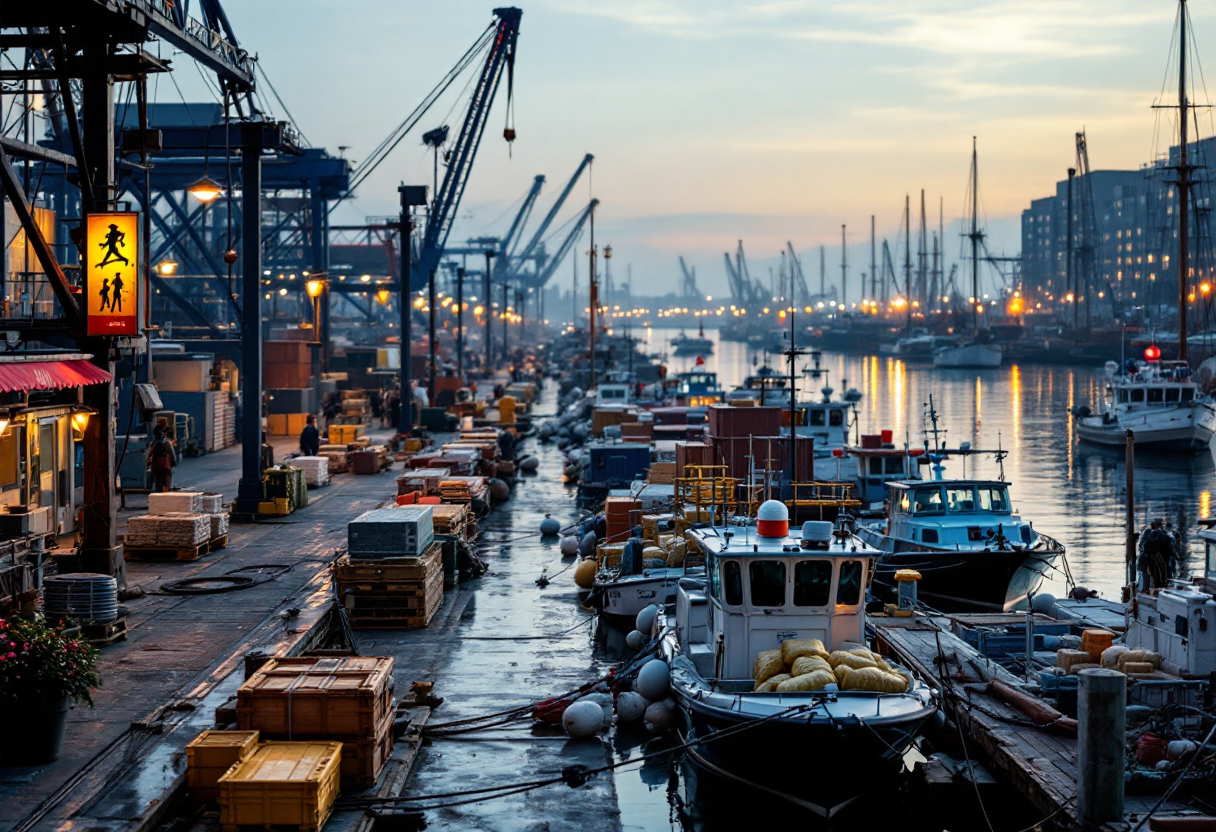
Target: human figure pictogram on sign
114, 239
116, 303
105, 294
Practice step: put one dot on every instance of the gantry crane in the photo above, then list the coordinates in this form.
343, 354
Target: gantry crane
798, 287
688, 288
1087, 243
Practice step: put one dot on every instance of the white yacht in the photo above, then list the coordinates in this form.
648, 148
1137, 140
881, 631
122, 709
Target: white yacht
973, 355
1158, 401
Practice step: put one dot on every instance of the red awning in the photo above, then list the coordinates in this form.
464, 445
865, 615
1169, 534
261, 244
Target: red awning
49, 375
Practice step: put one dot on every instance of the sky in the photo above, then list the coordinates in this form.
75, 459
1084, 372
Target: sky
714, 121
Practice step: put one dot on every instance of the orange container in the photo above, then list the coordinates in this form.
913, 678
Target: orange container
1094, 642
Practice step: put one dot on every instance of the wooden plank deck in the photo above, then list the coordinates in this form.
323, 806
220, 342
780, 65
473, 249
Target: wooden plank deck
1040, 764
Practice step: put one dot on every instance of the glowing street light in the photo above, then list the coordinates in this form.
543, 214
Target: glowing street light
206, 190
166, 268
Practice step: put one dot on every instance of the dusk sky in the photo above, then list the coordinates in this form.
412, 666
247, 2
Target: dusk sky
714, 121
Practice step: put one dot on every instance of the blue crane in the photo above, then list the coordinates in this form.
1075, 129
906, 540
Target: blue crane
546, 271
534, 249
688, 288
447, 201
511, 241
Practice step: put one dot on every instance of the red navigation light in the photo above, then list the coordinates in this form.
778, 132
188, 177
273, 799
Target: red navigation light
838, 452
1152, 353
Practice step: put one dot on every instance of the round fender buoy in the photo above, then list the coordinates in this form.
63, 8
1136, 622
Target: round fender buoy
499, 490
635, 640
529, 463
631, 706
653, 680
583, 719
584, 573
658, 717
569, 546
1178, 749
570, 472
549, 526
573, 457
586, 546
645, 620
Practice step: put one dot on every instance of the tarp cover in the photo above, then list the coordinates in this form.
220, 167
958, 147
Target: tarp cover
49, 375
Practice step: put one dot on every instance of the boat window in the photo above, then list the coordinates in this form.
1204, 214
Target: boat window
817, 418
768, 582
928, 536
1185, 394
836, 418
849, 589
960, 499
1171, 395
1122, 397
926, 500
715, 579
1156, 395
993, 498
732, 577
875, 465
1137, 396
1211, 558
812, 583
895, 464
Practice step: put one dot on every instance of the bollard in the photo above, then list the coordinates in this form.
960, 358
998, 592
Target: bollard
1102, 726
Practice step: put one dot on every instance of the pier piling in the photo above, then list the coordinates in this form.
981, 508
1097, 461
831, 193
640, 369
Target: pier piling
1102, 721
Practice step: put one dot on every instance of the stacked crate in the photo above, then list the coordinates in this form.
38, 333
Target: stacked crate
292, 784
619, 513
315, 468
285, 491
211, 754
346, 699
392, 576
454, 527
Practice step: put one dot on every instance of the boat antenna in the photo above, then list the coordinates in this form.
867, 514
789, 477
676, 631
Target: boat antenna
792, 354
1000, 455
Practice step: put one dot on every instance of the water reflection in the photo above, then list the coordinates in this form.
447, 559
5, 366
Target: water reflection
1073, 492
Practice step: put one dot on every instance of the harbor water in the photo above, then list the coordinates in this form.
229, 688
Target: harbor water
1073, 492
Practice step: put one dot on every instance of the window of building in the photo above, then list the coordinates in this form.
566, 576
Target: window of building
768, 582
812, 583
10, 474
848, 591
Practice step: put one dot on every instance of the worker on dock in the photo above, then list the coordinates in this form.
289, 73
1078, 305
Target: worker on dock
162, 457
310, 437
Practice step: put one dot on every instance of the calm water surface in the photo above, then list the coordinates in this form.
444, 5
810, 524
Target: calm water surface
1075, 493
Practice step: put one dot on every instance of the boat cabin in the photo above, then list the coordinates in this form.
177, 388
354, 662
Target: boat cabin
762, 590
608, 394
953, 514
698, 389
827, 422
878, 466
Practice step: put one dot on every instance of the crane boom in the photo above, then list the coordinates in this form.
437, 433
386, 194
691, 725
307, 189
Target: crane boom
803, 293
447, 200
689, 287
511, 241
529, 251
562, 250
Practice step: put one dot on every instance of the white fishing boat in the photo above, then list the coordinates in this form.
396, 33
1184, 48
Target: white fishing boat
972, 355
1158, 401
769, 591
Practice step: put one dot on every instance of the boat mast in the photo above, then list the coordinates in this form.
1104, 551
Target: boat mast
1183, 183
908, 263
975, 238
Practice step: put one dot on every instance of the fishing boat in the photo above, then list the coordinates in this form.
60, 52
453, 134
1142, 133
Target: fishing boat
767, 586
765, 386
698, 388
1157, 400
682, 344
977, 352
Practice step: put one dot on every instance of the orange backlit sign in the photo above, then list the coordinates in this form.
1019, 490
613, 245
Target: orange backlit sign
112, 273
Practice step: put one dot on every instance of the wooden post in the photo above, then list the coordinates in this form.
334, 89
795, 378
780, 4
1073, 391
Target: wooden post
1102, 725
1130, 550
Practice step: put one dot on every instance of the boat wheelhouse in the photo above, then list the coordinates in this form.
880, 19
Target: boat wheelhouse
698, 388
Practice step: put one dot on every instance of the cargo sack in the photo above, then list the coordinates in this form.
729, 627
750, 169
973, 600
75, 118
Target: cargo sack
851, 660
871, 679
767, 665
818, 680
1139, 656
793, 648
809, 664
1137, 668
771, 684
1110, 656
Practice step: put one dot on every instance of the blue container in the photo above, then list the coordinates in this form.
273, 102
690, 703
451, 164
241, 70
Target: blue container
616, 466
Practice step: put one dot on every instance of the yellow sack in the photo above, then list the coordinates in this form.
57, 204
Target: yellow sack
851, 660
767, 665
1139, 656
793, 648
809, 664
771, 684
882, 664
818, 680
872, 679
676, 553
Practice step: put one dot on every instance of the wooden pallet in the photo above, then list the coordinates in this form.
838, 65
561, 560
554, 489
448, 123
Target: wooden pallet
158, 553
218, 542
102, 635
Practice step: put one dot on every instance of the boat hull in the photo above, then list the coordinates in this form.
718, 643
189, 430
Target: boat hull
621, 599
969, 356
961, 581
1188, 430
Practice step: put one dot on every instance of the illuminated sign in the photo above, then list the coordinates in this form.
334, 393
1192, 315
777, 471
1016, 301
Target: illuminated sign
111, 284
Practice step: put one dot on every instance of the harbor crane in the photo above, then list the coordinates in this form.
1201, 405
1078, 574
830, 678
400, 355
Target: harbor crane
742, 288
797, 279
688, 288
576, 230
1087, 244
512, 268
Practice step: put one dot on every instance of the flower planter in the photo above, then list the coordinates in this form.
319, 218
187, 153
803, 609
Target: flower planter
33, 731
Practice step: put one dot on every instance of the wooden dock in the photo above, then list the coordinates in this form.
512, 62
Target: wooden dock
1037, 761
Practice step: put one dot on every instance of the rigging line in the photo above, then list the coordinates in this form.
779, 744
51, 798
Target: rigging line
208, 82
278, 98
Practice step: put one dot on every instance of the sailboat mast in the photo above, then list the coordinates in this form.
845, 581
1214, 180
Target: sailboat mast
844, 271
908, 261
1183, 183
873, 262
975, 237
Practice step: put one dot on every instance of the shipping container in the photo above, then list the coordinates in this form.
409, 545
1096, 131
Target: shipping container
728, 421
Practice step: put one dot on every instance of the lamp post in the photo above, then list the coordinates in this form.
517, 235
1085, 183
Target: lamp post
490, 253
460, 322
315, 287
505, 320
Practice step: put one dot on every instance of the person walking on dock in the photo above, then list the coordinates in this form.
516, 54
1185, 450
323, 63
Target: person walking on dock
162, 458
310, 437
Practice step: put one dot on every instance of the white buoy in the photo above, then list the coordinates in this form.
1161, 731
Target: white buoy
604, 700
1178, 749
631, 706
654, 679
635, 640
659, 716
549, 526
645, 620
583, 719
569, 546
586, 546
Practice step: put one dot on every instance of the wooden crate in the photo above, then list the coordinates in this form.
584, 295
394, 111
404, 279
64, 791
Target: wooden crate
282, 784
155, 553
387, 572
211, 754
346, 696
368, 610
451, 519
364, 760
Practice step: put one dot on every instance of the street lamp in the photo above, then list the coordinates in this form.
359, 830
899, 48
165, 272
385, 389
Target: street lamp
205, 190
79, 420
166, 268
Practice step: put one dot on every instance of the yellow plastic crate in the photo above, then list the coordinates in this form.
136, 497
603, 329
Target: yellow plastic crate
211, 754
282, 784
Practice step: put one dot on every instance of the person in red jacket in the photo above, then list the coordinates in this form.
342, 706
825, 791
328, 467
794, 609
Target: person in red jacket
162, 458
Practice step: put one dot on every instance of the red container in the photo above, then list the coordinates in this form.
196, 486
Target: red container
887, 437
692, 453
725, 420
871, 441
741, 454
